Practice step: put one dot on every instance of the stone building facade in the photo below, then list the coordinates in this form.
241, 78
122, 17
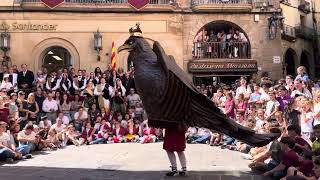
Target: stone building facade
36, 31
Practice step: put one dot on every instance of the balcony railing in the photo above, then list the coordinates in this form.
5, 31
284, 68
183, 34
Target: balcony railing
288, 33
305, 32
221, 50
221, 5
159, 2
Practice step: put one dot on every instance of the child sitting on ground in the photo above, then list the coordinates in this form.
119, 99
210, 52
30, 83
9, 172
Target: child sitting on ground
118, 133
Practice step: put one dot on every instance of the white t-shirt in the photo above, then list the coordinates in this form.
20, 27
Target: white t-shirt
58, 129
41, 124
259, 123
271, 105
307, 126
23, 135
242, 90
65, 120
4, 139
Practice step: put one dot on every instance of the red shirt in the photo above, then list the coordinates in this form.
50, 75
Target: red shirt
4, 113
290, 159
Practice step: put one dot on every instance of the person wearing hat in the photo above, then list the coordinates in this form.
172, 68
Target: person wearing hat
6, 84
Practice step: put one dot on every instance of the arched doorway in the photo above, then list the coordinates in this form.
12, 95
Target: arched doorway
56, 58
221, 40
289, 60
304, 61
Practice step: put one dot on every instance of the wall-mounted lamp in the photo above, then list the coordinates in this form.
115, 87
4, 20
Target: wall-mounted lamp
5, 47
98, 43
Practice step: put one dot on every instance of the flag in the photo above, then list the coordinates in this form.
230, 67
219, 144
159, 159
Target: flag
113, 57
52, 3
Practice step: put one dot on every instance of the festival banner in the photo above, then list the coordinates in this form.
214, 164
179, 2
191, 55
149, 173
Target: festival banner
52, 3
138, 4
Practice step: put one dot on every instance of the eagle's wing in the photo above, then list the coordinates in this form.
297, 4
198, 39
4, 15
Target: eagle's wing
184, 103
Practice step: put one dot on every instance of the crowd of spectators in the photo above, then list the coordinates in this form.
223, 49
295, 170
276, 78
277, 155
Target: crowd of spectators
289, 107
49, 111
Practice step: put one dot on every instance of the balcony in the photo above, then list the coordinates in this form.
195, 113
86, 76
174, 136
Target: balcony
305, 32
221, 50
101, 5
304, 6
288, 33
263, 4
221, 5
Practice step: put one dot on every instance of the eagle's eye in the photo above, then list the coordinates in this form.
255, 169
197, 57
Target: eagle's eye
130, 42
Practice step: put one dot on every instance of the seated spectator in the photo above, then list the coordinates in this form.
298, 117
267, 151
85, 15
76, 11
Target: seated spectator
118, 133
300, 90
73, 135
133, 98
8, 151
50, 107
93, 113
52, 140
45, 123
87, 134
259, 120
291, 115
60, 130
274, 152
4, 111
132, 132
27, 139
272, 106
149, 135
104, 132
284, 98
63, 118
80, 117
301, 147
6, 84
255, 96
202, 136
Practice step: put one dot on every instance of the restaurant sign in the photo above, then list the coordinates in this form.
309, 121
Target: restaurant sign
225, 66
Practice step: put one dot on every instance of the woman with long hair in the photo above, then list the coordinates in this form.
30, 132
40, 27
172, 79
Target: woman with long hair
33, 108
89, 95
97, 72
65, 83
118, 99
65, 105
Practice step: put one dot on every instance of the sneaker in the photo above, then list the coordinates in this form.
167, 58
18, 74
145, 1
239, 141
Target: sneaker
9, 160
28, 156
183, 172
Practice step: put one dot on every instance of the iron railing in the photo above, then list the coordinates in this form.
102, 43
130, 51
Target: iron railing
305, 32
159, 2
225, 2
221, 50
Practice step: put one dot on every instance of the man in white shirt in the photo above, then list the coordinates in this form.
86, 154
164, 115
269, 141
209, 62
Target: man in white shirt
65, 120
50, 107
27, 138
243, 89
104, 92
244, 43
79, 118
300, 90
61, 131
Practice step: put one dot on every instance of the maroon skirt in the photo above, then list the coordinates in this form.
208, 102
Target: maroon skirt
174, 140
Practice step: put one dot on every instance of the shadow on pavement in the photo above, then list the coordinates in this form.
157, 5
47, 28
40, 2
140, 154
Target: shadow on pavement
48, 173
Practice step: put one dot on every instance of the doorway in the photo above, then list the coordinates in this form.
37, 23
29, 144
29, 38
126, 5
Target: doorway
304, 61
56, 58
289, 59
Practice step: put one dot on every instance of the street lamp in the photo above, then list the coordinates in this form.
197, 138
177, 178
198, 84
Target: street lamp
98, 43
5, 47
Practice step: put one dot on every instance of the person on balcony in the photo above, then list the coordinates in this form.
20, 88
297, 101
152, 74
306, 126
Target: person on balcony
222, 38
243, 44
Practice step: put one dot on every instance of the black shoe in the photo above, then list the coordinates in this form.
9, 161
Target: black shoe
28, 156
182, 173
172, 173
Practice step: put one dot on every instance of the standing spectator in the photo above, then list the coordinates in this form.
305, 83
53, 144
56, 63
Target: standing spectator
306, 119
230, 106
25, 78
302, 74
283, 98
300, 90
52, 82
133, 98
241, 105
272, 106
33, 108
79, 82
289, 80
13, 78
243, 89
13, 107
88, 93
50, 107
65, 83
316, 108
104, 92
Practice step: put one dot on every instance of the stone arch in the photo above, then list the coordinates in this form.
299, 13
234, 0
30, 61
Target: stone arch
39, 51
290, 61
211, 22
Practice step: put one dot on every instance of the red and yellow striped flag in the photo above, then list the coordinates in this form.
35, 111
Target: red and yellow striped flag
113, 57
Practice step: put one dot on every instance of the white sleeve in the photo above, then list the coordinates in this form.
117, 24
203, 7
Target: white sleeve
45, 108
14, 79
57, 85
84, 84
75, 86
47, 85
95, 92
111, 91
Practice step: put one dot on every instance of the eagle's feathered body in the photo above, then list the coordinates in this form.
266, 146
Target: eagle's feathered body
170, 98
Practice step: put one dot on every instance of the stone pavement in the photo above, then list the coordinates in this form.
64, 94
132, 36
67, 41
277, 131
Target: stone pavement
127, 162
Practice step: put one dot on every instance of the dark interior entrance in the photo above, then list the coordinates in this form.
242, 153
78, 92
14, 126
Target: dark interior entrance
304, 61
56, 58
289, 58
